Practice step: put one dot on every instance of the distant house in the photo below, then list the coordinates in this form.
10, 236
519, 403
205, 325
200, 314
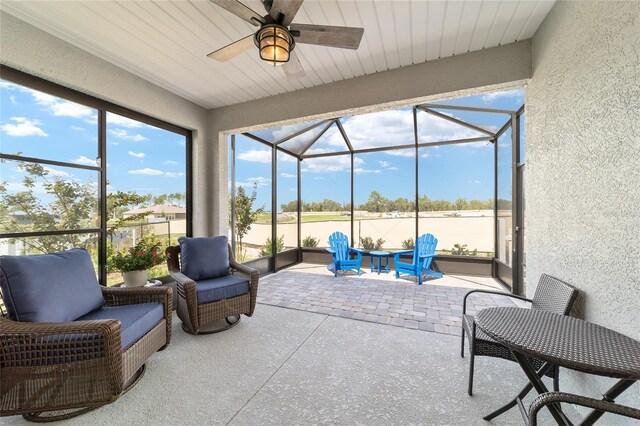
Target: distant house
159, 213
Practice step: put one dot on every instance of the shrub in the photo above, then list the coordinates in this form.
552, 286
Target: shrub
310, 241
266, 251
461, 250
409, 244
368, 244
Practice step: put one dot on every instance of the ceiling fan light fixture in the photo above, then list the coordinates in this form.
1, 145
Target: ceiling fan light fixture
275, 43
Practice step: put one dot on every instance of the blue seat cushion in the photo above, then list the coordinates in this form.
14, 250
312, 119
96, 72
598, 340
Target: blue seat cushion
57, 287
204, 258
208, 291
135, 320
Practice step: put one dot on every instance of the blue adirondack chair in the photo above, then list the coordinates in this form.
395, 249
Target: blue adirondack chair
423, 254
343, 258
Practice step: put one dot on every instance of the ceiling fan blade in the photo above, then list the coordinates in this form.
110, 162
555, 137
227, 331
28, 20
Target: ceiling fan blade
288, 8
293, 68
240, 10
327, 35
233, 49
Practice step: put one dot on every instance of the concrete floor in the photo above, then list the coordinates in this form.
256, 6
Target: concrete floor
436, 305
285, 366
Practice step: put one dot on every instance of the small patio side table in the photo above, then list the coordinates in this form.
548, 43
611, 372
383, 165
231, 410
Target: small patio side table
566, 342
377, 256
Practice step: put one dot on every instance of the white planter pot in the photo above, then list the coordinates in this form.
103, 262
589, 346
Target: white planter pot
135, 278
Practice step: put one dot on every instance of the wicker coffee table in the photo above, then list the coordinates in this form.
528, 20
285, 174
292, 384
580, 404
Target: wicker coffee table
566, 342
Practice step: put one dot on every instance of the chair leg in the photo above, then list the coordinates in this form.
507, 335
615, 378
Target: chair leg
419, 278
556, 379
462, 345
397, 274
472, 358
471, 365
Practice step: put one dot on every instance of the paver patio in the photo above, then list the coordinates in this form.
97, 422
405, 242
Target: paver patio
434, 306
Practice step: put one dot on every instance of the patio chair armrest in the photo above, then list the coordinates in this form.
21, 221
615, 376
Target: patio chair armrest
181, 278
547, 398
330, 250
117, 296
244, 269
424, 256
497, 293
34, 344
397, 254
254, 277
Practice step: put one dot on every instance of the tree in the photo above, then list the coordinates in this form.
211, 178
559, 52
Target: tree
71, 205
244, 215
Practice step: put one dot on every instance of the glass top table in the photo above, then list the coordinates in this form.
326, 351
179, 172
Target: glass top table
566, 342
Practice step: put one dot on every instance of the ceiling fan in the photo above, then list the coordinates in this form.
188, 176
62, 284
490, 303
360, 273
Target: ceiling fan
278, 36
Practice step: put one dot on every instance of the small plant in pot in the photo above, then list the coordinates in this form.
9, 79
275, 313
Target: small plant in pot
135, 262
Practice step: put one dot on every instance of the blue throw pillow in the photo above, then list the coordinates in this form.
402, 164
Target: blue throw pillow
57, 287
204, 258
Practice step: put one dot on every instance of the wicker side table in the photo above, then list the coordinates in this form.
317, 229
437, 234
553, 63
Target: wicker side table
566, 342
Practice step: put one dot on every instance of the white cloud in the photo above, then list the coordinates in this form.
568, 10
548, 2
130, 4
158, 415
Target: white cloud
256, 156
516, 94
476, 181
84, 160
137, 154
57, 172
387, 165
173, 174
171, 163
339, 163
38, 187
155, 172
255, 181
63, 108
287, 175
361, 171
78, 128
124, 135
147, 171
13, 100
23, 127
118, 120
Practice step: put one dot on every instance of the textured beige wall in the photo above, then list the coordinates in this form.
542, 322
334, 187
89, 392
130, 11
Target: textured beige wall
498, 68
583, 164
36, 52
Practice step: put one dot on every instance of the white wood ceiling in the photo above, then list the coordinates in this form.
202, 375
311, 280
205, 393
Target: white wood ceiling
166, 42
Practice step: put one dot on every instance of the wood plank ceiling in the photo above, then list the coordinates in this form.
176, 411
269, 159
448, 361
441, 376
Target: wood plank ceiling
166, 42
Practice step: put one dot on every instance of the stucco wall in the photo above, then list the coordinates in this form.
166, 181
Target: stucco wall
36, 52
583, 164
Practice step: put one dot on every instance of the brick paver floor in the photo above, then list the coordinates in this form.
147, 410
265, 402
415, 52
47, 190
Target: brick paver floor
434, 306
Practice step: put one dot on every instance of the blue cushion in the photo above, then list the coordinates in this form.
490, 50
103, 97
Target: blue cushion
136, 320
221, 288
57, 287
204, 258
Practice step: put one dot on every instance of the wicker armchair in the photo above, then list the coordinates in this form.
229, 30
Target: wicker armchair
216, 315
57, 370
551, 295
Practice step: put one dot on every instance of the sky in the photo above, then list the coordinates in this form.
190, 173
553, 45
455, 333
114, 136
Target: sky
140, 158
146, 159
446, 172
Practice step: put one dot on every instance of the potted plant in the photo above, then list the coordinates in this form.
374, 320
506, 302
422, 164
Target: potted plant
135, 262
